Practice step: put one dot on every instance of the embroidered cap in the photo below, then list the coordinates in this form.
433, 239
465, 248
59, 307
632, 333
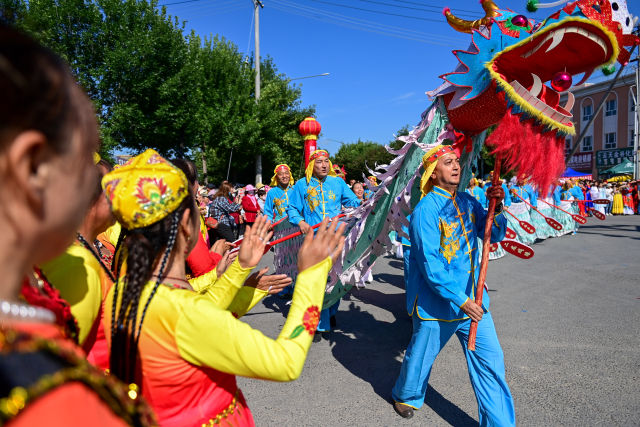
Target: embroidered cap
312, 162
144, 190
429, 163
280, 168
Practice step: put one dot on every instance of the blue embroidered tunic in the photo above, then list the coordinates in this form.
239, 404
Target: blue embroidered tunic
577, 193
317, 200
523, 192
444, 262
275, 207
479, 195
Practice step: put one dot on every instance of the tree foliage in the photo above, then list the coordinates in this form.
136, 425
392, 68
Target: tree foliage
153, 86
356, 157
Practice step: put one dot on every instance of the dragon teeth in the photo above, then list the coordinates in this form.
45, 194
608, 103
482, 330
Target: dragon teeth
558, 35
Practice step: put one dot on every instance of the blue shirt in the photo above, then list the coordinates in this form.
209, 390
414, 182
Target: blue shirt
444, 263
522, 192
577, 193
479, 195
275, 207
533, 195
367, 194
317, 200
556, 195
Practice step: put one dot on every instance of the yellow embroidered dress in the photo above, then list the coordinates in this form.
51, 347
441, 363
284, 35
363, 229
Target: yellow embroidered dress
192, 346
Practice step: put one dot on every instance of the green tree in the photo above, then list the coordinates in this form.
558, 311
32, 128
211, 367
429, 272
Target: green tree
357, 156
155, 87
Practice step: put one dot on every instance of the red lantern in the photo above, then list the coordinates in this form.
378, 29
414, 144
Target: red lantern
309, 129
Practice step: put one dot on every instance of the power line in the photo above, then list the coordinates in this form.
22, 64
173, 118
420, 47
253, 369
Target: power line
437, 10
372, 25
378, 11
434, 7
359, 27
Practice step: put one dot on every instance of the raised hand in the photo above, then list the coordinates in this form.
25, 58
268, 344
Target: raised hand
221, 247
254, 242
225, 262
328, 241
272, 283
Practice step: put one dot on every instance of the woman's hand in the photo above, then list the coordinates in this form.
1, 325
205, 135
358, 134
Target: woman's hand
225, 262
272, 283
254, 241
327, 242
220, 247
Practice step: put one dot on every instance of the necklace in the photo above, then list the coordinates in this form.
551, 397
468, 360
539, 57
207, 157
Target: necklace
186, 282
87, 245
20, 311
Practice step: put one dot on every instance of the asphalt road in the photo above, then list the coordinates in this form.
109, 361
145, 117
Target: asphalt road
568, 321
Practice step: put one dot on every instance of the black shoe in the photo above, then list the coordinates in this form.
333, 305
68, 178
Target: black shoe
317, 337
333, 322
326, 335
403, 410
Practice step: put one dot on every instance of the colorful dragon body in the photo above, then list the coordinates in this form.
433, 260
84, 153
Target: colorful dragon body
500, 82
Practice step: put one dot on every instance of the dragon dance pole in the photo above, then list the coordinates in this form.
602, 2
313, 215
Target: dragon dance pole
486, 242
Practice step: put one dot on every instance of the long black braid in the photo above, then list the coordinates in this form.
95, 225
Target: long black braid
144, 247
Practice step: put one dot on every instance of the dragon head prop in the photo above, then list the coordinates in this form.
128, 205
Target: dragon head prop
502, 77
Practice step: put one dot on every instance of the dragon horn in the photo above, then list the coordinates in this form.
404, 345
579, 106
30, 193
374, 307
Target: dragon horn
534, 5
490, 10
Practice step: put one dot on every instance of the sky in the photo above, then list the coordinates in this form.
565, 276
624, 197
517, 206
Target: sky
381, 55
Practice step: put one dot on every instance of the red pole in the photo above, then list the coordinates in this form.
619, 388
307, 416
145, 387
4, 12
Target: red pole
471, 344
310, 145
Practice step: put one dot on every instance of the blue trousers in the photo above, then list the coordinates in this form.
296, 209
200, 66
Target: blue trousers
325, 315
485, 365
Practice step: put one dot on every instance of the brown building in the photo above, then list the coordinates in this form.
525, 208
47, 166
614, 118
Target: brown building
610, 138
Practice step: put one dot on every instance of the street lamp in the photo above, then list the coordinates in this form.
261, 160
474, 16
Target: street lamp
308, 77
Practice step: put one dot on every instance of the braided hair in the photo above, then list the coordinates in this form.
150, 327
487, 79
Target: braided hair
143, 249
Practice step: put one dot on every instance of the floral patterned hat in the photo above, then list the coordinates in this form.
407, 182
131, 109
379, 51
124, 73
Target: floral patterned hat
144, 190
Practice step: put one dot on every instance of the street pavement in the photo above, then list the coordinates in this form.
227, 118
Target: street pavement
568, 321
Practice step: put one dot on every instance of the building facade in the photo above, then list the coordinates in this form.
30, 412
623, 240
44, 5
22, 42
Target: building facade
610, 139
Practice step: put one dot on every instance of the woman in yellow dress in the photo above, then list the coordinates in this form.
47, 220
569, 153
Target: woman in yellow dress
618, 206
181, 343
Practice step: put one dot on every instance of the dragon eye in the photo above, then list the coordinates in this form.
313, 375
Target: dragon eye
520, 21
614, 6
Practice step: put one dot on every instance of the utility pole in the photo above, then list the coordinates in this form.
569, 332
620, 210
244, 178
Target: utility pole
257, 4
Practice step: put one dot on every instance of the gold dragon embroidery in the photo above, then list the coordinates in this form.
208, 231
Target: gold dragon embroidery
278, 203
312, 198
449, 242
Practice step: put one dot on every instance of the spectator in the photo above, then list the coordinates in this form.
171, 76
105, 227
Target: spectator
222, 210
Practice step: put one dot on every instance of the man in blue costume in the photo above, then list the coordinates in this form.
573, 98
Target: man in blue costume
275, 207
444, 266
322, 194
276, 204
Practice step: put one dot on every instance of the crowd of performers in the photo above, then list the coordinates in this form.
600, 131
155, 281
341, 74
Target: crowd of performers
525, 206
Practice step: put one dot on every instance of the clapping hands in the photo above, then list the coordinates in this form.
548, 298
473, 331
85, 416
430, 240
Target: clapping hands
328, 241
254, 241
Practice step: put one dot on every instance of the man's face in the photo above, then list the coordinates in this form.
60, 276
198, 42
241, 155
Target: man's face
283, 177
321, 167
447, 171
